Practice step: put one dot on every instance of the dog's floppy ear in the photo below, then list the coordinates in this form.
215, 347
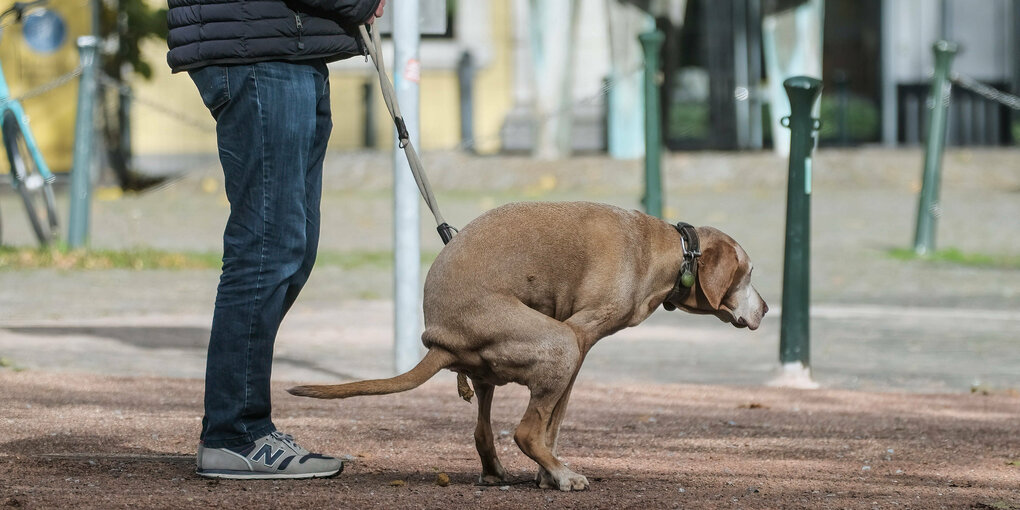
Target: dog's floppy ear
716, 268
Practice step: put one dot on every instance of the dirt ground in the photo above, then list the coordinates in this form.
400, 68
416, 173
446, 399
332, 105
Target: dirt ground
91, 441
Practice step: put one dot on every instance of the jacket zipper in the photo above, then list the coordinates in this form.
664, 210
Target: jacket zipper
300, 30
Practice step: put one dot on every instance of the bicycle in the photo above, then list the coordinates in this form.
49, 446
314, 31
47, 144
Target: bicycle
30, 175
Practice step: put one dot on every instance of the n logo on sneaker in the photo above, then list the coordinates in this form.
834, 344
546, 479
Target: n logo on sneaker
267, 453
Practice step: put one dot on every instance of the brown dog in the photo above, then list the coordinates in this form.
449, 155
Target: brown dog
524, 291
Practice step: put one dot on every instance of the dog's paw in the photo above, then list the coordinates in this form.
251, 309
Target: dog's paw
564, 480
484, 479
495, 476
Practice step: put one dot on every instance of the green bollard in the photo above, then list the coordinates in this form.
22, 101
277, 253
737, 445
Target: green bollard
81, 171
651, 42
794, 336
928, 209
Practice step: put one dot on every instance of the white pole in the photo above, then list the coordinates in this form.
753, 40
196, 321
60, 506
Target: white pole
552, 29
407, 232
626, 97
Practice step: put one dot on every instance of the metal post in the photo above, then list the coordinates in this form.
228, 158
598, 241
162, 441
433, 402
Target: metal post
368, 98
741, 71
625, 131
465, 85
938, 100
843, 111
890, 66
719, 54
754, 73
1015, 85
407, 228
84, 131
651, 43
794, 336
124, 122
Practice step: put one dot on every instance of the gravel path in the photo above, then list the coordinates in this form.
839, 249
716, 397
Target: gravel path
100, 401
103, 442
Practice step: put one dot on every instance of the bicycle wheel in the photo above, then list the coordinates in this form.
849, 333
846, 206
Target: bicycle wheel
36, 193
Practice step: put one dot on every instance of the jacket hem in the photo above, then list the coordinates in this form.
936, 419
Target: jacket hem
328, 57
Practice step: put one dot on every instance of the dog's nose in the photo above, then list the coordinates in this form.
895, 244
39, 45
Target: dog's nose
764, 308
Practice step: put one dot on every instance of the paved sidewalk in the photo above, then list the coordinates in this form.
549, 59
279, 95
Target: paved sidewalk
878, 323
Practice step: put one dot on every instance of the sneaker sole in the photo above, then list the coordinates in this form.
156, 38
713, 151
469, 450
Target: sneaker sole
256, 475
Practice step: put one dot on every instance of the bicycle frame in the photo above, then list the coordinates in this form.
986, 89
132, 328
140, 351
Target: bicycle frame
7, 103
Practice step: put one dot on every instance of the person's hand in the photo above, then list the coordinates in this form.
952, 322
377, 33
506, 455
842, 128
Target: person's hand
378, 12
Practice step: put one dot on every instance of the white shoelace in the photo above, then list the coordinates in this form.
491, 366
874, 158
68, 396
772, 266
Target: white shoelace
288, 440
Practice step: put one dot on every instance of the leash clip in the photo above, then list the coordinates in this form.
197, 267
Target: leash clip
402, 134
688, 254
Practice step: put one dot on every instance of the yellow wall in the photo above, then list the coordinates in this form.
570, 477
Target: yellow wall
157, 133
439, 117
153, 130
168, 116
52, 114
494, 84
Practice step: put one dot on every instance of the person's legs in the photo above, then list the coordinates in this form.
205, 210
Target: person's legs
313, 186
270, 145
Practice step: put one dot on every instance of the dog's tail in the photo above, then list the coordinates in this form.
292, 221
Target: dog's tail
434, 361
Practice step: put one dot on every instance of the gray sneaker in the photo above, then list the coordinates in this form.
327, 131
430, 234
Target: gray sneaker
269, 457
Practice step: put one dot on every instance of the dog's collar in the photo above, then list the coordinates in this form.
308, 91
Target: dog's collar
688, 274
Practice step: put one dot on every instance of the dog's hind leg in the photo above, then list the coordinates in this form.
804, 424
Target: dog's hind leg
492, 470
522, 345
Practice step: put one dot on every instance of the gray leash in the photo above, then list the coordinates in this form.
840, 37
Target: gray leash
374, 46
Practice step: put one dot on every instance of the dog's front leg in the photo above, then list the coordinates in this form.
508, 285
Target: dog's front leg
531, 438
534, 438
543, 478
553, 430
492, 470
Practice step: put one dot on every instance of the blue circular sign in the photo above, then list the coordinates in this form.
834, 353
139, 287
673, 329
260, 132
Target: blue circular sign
44, 31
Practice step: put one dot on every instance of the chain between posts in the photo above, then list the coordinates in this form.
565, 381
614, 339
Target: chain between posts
110, 82
51, 85
990, 93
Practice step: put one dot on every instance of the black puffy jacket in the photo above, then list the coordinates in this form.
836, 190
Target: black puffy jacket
204, 32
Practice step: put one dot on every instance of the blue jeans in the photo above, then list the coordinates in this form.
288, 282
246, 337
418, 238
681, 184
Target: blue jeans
272, 125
